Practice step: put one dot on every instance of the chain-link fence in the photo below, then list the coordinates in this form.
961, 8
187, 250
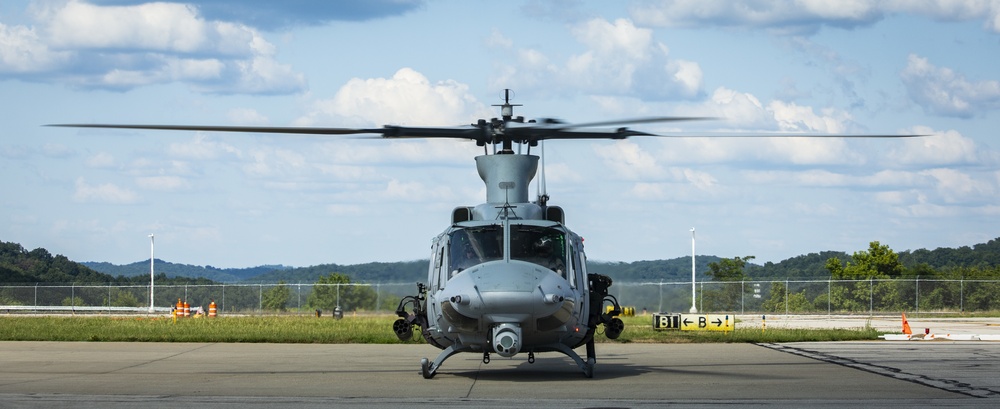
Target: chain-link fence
814, 296
781, 297
231, 298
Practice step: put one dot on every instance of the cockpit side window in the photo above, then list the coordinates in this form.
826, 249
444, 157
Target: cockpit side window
544, 246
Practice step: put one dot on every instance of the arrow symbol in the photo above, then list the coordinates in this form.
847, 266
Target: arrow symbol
687, 322
717, 322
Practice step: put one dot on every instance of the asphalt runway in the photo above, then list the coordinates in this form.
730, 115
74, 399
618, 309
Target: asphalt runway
248, 376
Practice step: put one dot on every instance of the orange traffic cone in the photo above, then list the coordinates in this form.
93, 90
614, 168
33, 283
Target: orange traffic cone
906, 326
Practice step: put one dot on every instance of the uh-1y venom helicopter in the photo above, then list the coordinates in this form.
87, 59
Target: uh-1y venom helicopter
507, 276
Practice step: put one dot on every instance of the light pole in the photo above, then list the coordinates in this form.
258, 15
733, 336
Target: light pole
151, 310
694, 310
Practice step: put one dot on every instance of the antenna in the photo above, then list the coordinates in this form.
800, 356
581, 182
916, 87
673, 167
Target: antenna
507, 207
543, 194
507, 109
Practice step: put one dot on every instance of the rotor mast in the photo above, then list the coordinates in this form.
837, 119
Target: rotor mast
506, 115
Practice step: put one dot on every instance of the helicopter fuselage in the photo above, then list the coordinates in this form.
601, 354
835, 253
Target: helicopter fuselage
507, 287
507, 276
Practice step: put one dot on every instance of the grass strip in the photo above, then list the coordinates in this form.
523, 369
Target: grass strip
366, 329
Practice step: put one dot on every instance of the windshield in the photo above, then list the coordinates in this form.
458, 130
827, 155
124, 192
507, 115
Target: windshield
544, 246
475, 245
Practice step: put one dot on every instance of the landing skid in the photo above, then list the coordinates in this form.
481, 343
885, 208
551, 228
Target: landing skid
428, 369
586, 366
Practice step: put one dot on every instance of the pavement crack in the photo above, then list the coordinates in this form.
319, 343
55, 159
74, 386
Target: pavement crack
475, 379
157, 359
949, 385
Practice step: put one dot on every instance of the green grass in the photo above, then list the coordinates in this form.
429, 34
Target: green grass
376, 329
275, 329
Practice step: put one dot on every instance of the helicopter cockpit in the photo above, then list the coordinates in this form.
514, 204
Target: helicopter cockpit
537, 244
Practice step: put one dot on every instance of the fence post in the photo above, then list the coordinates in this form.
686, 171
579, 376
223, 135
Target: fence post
871, 296
917, 306
961, 294
743, 292
260, 300
661, 296
786, 296
829, 296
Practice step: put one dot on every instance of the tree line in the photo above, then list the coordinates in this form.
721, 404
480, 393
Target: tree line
954, 279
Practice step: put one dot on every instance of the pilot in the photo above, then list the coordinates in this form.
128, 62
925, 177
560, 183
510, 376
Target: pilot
466, 258
548, 254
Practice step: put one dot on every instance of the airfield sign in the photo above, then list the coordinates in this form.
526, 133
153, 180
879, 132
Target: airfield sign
707, 322
694, 322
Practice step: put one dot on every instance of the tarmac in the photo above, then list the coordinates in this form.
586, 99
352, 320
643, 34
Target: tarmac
249, 376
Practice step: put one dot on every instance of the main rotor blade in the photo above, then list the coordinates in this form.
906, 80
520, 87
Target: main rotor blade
515, 131
780, 135
388, 131
647, 120
244, 129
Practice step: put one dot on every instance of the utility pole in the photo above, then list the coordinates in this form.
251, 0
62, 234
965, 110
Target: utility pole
694, 309
151, 310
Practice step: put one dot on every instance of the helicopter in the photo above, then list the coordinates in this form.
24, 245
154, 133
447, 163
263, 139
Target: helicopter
506, 276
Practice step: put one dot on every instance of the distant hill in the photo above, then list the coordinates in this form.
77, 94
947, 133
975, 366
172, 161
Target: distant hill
221, 275
397, 272
983, 255
811, 266
18, 265
676, 269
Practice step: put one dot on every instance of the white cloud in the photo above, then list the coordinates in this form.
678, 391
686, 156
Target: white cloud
701, 180
201, 148
101, 160
408, 98
797, 16
163, 183
124, 47
628, 160
806, 16
262, 75
497, 39
157, 27
620, 59
104, 193
937, 148
943, 91
246, 116
276, 163
955, 186
744, 114
22, 51
794, 118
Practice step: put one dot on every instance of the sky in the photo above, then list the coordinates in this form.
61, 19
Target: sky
927, 67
